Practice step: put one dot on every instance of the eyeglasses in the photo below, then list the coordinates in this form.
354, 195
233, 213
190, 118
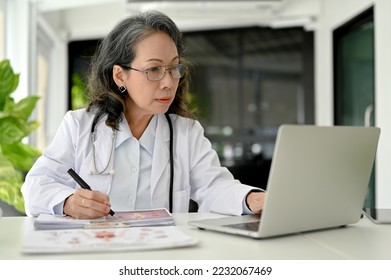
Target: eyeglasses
157, 73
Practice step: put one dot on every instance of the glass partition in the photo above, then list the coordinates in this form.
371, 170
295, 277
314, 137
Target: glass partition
354, 77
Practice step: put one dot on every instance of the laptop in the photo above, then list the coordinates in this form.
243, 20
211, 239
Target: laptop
318, 179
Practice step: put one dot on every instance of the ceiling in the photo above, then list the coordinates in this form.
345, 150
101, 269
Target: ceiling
84, 19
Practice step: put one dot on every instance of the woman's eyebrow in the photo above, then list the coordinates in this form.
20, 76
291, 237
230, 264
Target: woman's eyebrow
159, 60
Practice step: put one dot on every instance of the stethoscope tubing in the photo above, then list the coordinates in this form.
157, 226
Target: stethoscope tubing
171, 148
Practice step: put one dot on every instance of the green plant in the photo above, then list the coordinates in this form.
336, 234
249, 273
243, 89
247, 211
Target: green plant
16, 157
79, 99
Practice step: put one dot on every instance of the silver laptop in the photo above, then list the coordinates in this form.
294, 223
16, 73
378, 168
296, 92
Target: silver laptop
318, 179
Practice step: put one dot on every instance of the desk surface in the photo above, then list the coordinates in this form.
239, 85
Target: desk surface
364, 240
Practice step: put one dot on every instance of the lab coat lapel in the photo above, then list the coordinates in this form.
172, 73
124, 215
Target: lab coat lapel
161, 154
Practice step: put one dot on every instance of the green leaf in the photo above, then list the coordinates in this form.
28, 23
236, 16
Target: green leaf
21, 155
12, 130
8, 187
8, 81
31, 126
9, 105
11, 181
6, 168
21, 110
18, 202
15, 156
25, 107
11, 194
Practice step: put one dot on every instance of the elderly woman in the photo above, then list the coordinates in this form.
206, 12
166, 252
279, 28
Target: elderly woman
136, 144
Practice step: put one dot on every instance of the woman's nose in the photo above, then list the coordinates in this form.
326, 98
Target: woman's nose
168, 81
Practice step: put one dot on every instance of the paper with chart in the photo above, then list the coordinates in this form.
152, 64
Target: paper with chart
105, 240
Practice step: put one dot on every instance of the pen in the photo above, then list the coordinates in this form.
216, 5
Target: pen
83, 184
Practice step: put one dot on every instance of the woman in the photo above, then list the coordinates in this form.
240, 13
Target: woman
120, 144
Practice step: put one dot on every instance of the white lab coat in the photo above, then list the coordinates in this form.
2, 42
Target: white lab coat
197, 175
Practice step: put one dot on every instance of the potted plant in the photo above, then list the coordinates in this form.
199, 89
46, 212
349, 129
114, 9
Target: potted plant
16, 156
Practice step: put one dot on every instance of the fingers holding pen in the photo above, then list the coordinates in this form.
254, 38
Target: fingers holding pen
86, 204
93, 198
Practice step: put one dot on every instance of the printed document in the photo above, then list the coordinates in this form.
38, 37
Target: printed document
105, 240
151, 217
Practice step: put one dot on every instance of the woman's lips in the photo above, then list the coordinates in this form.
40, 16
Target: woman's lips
164, 100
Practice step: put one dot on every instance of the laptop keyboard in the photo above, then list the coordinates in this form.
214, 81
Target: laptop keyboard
253, 226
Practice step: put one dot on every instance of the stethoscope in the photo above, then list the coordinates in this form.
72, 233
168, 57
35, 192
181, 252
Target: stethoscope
105, 172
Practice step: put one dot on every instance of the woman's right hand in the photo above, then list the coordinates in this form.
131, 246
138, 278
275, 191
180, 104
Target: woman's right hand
86, 204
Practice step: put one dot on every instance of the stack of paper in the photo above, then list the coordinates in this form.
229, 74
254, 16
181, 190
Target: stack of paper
134, 230
153, 217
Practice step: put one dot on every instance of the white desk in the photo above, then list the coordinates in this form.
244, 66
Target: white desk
363, 240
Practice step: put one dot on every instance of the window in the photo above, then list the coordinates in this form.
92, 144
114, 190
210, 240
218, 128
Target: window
80, 54
354, 78
246, 83
43, 64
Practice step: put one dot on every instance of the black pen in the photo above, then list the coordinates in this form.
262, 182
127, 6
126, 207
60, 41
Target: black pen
83, 184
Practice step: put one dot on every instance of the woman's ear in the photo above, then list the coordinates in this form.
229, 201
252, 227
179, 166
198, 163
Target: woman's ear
118, 75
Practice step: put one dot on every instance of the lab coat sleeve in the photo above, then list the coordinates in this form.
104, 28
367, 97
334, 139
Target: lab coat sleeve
213, 186
47, 184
